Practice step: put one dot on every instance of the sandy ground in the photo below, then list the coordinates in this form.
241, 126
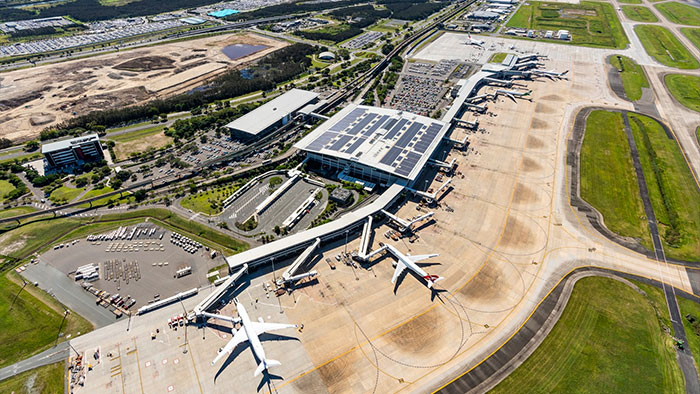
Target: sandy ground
32, 99
511, 237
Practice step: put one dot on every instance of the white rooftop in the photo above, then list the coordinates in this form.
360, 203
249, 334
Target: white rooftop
397, 142
58, 145
273, 111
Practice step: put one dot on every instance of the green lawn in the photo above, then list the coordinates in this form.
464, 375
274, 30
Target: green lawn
697, 134
137, 134
23, 158
96, 192
679, 13
65, 194
32, 324
693, 34
672, 189
498, 57
633, 78
608, 181
630, 1
608, 340
43, 380
590, 23
208, 202
6, 213
663, 46
639, 13
5, 188
685, 89
692, 330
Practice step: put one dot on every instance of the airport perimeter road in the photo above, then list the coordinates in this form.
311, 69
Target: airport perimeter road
65, 291
49, 356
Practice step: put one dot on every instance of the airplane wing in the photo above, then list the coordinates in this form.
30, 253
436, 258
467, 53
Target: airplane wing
260, 328
237, 339
399, 269
420, 257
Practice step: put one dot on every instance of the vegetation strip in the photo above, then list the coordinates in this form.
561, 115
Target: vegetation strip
639, 13
663, 46
684, 88
679, 13
632, 75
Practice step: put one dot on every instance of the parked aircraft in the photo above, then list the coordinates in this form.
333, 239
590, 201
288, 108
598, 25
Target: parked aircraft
407, 261
249, 332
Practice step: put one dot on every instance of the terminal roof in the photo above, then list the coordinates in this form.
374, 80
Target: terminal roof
273, 111
393, 141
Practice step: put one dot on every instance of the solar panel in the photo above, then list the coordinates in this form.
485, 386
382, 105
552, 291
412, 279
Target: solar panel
375, 126
390, 123
390, 156
321, 141
427, 138
361, 124
347, 120
409, 134
392, 133
355, 145
344, 139
408, 163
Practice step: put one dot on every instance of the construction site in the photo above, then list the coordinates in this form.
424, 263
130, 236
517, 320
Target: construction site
33, 101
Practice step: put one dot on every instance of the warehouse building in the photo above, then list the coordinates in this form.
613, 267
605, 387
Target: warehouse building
271, 115
72, 152
374, 145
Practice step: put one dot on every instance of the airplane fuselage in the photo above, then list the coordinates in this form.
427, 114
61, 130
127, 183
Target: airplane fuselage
250, 333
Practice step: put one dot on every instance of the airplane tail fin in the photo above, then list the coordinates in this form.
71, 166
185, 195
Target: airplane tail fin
432, 279
265, 364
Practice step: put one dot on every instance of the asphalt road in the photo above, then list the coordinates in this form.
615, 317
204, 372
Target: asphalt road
49, 356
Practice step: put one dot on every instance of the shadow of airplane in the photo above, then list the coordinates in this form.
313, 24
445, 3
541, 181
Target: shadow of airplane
266, 337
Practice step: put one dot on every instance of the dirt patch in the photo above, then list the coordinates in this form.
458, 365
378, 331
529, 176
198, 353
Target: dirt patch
530, 165
15, 102
113, 99
516, 234
146, 63
9, 248
534, 142
309, 383
41, 119
420, 333
488, 284
552, 97
541, 108
523, 195
337, 374
124, 149
538, 124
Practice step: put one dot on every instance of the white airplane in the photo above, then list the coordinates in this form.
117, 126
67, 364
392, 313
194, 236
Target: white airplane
551, 74
249, 332
479, 43
407, 261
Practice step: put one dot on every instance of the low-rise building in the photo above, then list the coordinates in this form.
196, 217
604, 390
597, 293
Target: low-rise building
72, 152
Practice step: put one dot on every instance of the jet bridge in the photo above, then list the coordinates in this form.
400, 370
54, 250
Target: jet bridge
366, 235
405, 225
288, 275
431, 196
212, 298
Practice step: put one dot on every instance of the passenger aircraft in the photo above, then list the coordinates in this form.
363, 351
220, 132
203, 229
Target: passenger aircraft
407, 261
249, 332
475, 42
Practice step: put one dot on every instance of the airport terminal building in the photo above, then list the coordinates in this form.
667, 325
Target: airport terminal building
271, 115
379, 145
72, 152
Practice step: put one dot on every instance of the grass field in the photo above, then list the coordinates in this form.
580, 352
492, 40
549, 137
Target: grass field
692, 330
96, 192
590, 23
685, 89
32, 324
208, 202
663, 46
679, 13
5, 188
608, 339
639, 13
608, 181
498, 57
697, 134
139, 141
6, 213
43, 380
693, 34
65, 194
633, 78
630, 1
672, 188
23, 158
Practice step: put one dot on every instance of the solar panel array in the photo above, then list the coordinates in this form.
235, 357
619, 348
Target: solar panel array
360, 125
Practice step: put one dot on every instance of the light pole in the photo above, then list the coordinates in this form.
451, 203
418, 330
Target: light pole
184, 351
346, 242
58, 335
17, 295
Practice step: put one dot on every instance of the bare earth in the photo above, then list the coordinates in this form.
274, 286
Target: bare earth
31, 100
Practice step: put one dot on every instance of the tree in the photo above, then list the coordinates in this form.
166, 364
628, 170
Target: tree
5, 143
140, 195
32, 145
277, 230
